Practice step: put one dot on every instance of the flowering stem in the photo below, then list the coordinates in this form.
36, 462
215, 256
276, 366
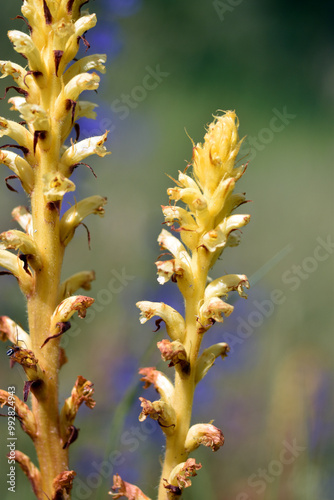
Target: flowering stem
206, 228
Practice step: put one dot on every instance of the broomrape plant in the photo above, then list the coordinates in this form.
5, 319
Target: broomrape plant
48, 103
206, 227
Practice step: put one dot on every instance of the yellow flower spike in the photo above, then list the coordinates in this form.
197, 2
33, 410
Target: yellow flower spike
206, 435
208, 357
49, 105
75, 215
175, 325
206, 227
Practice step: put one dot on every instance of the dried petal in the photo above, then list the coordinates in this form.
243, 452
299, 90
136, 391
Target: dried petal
31, 471
65, 310
161, 383
205, 434
25, 415
23, 217
158, 410
181, 474
121, 489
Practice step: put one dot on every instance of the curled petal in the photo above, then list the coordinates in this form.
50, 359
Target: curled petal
84, 23
217, 238
26, 417
173, 213
75, 215
208, 357
181, 474
85, 109
13, 332
23, 44
213, 309
20, 167
170, 269
222, 286
121, 489
190, 196
158, 410
17, 267
81, 393
23, 217
65, 310
17, 240
56, 186
161, 383
173, 245
79, 83
31, 113
175, 353
81, 150
94, 62
82, 279
31, 471
205, 434
174, 321
14, 70
17, 132
62, 484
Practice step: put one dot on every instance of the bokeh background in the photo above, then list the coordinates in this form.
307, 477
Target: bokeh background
273, 395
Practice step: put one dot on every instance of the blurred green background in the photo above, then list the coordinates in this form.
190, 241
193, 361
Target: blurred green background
273, 396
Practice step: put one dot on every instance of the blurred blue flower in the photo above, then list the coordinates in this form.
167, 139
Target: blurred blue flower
122, 8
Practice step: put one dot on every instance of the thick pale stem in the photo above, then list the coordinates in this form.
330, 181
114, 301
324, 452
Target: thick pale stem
41, 304
185, 383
